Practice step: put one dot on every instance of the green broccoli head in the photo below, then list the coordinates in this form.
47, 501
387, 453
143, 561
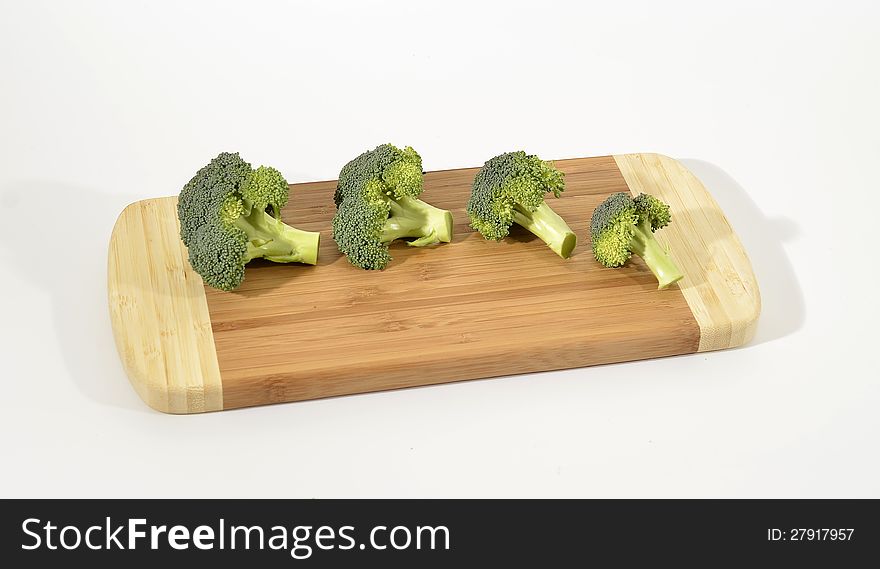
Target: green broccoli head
377, 202
622, 226
266, 188
654, 211
612, 228
206, 208
224, 224
510, 188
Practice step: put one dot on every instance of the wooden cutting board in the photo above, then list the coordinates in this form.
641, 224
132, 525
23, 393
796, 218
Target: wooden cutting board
463, 310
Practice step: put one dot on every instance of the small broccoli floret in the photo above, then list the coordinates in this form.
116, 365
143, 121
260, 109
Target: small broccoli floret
224, 221
377, 202
509, 189
622, 226
266, 189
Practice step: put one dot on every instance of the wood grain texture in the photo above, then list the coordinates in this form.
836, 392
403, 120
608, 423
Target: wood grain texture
463, 310
719, 284
159, 312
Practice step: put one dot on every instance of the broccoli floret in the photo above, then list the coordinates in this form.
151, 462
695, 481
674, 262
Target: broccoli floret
510, 189
377, 202
623, 225
224, 221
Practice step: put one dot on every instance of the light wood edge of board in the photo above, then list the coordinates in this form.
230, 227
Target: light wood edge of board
159, 312
719, 284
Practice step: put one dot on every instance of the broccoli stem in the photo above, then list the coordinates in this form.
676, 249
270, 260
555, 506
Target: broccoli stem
655, 256
546, 224
411, 217
272, 239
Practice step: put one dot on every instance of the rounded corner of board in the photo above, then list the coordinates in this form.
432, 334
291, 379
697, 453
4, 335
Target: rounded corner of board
719, 286
156, 396
159, 312
169, 394
136, 209
738, 331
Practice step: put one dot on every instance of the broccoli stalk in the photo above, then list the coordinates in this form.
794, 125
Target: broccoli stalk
623, 225
548, 226
654, 255
271, 239
411, 217
509, 189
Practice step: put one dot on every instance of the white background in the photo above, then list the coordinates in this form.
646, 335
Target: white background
772, 104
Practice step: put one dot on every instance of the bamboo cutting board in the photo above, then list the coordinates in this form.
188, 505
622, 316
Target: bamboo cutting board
463, 310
